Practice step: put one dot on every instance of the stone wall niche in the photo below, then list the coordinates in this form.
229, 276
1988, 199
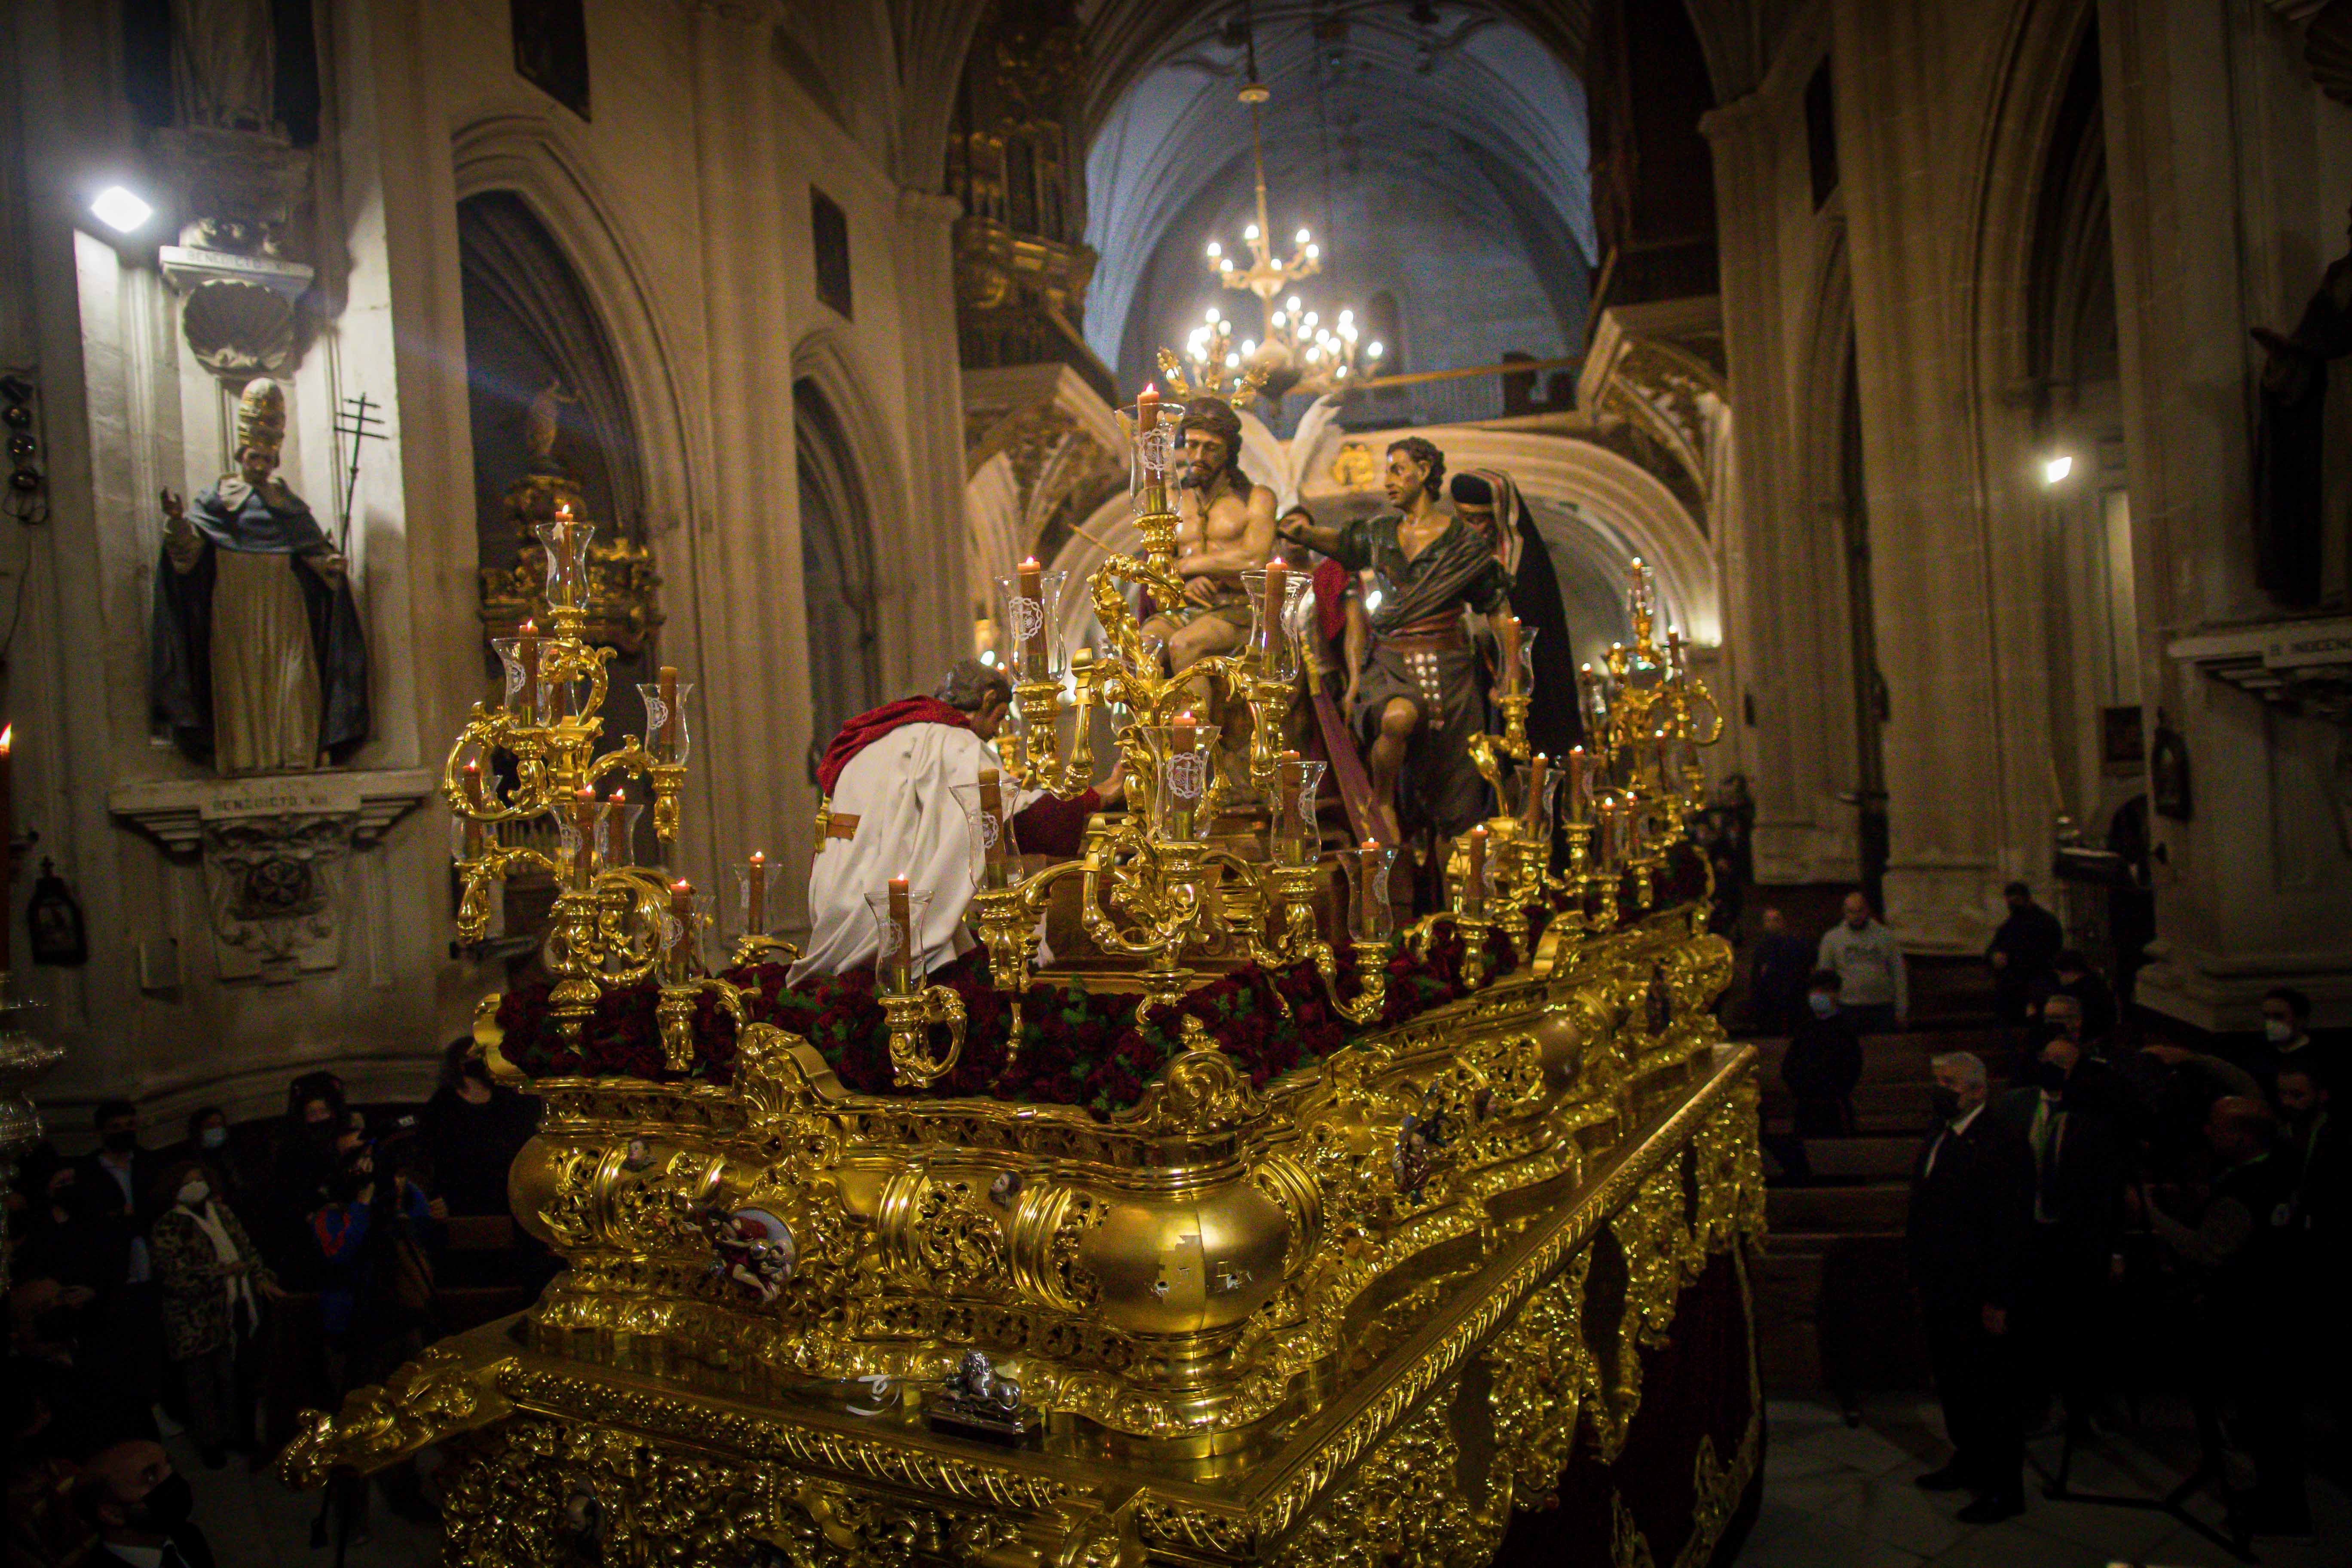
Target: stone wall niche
276, 855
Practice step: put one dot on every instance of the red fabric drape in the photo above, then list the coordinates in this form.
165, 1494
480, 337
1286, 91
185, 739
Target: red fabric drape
867, 728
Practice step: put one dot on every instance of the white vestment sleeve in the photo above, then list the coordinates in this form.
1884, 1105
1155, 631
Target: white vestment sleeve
910, 825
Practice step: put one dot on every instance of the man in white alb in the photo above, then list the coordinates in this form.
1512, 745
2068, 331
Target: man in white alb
889, 779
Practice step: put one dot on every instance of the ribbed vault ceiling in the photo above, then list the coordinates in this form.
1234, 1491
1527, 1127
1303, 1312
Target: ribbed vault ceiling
1471, 107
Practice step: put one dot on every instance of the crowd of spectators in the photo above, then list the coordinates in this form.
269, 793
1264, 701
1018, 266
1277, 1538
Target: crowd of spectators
2098, 1209
221, 1284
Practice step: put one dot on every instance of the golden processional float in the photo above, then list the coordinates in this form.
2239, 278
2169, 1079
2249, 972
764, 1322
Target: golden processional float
1331, 1243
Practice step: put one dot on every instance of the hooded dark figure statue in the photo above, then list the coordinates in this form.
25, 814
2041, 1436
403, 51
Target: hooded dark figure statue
1486, 500
258, 664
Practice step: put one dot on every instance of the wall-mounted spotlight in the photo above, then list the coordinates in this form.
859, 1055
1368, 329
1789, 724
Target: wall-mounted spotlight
2056, 467
120, 209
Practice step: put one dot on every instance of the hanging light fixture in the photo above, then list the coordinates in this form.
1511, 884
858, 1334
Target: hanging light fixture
1294, 349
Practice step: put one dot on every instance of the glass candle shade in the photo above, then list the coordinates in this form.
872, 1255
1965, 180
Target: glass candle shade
1296, 832
470, 839
1371, 917
616, 832
995, 849
566, 539
898, 914
759, 885
559, 698
667, 739
519, 662
1031, 601
680, 934
1538, 795
1154, 420
1272, 647
1184, 754
1519, 662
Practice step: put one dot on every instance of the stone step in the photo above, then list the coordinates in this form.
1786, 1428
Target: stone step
1879, 1159
1879, 1208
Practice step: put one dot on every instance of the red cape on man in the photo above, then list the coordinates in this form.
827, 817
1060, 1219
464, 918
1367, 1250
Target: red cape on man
1048, 826
867, 728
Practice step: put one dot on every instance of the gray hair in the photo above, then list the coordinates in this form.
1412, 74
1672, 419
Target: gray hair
968, 685
1967, 1064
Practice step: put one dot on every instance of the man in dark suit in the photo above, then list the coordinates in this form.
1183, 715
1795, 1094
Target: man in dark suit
2022, 951
2072, 1120
1971, 1203
115, 1188
1776, 986
140, 1507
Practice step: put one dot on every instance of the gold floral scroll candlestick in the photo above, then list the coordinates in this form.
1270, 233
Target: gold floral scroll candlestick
543, 735
910, 1007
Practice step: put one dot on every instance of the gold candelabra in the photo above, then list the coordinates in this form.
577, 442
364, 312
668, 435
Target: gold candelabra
1217, 857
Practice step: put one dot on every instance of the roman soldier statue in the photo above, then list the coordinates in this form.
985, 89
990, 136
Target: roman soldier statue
258, 664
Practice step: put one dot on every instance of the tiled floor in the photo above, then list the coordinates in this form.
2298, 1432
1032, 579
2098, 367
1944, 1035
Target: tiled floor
1833, 1498
1840, 1498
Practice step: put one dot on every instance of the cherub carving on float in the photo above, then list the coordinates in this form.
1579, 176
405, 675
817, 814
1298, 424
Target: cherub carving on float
1418, 702
257, 663
751, 1248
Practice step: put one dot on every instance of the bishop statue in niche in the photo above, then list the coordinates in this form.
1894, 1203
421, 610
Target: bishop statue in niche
259, 664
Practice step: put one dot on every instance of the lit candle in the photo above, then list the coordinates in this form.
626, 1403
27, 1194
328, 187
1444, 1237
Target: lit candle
1510, 632
8, 836
1147, 409
527, 655
471, 777
1032, 647
1674, 650
1184, 734
681, 941
568, 550
992, 833
1536, 769
583, 828
1577, 788
670, 712
616, 830
1474, 885
902, 960
755, 889
1277, 589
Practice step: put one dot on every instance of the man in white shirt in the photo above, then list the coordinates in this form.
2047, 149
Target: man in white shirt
1874, 988
891, 811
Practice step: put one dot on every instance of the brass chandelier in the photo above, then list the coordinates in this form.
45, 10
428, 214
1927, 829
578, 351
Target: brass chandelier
1296, 349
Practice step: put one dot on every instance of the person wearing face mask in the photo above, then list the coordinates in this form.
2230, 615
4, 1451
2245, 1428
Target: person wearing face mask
305, 1159
142, 1509
2286, 1033
213, 1284
1821, 1067
2093, 999
1971, 1203
2068, 1118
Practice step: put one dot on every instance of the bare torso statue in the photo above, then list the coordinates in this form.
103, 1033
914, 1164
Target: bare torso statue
1225, 525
